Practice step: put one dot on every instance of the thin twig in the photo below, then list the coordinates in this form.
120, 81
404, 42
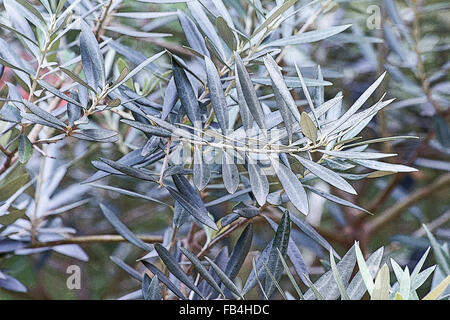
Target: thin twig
104, 238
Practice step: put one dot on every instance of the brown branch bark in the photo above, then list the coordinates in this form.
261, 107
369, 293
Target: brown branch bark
395, 211
104, 238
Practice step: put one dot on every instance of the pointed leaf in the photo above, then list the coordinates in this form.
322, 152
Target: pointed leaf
25, 149
249, 92
164, 279
382, 284
292, 186
223, 277
191, 200
226, 33
230, 173
326, 174
218, 100
308, 37
239, 252
258, 182
123, 230
201, 269
174, 268
187, 95
91, 57
280, 242
337, 278
308, 127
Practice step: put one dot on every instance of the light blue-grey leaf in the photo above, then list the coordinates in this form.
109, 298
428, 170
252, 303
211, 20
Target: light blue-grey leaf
175, 268
308, 37
230, 173
258, 182
218, 100
123, 230
326, 174
292, 186
91, 57
249, 93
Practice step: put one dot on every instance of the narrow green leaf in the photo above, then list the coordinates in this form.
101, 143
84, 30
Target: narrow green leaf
274, 15
180, 215
281, 91
128, 193
205, 25
274, 281
74, 112
130, 171
326, 174
419, 264
154, 290
248, 90
201, 269
25, 149
292, 186
364, 270
335, 199
239, 252
290, 276
308, 127
191, 200
164, 279
311, 232
357, 155
357, 288
405, 284
91, 57
437, 251
17, 32
308, 37
244, 111
60, 5
383, 166
258, 273
223, 277
226, 33
356, 105
138, 68
326, 285
280, 242
218, 100
193, 35
76, 78
256, 276
152, 130
201, 171
48, 117
175, 269
314, 289
33, 10
132, 272
123, 230
230, 173
187, 95
337, 278
258, 182
58, 93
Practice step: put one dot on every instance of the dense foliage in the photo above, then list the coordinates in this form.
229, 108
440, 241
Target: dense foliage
224, 149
